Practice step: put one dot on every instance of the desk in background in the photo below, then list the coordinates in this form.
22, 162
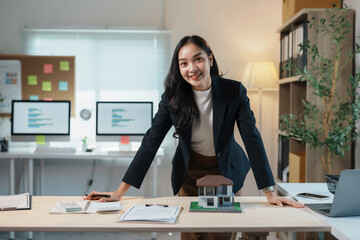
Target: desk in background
29, 155
343, 228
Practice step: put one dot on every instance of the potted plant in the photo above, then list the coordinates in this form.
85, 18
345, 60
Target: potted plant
328, 124
84, 146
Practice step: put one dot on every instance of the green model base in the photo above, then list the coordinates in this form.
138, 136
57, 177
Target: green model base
194, 207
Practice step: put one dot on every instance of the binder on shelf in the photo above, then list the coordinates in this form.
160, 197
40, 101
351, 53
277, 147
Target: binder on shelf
15, 202
290, 50
283, 156
297, 168
300, 32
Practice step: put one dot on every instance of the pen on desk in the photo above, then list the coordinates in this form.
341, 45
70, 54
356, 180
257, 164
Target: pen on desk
7, 208
98, 195
87, 206
160, 205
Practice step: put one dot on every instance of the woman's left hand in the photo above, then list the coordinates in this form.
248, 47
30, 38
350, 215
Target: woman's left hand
274, 199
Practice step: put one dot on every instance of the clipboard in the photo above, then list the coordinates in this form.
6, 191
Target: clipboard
16, 202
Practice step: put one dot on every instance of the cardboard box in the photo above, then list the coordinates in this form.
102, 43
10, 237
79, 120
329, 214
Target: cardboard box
290, 7
297, 167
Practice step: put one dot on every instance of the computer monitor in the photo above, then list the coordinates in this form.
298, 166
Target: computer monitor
49, 118
115, 119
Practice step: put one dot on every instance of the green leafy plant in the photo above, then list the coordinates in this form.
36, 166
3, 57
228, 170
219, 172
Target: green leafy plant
330, 126
84, 140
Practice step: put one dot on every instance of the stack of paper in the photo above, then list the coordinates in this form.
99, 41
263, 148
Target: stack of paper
153, 213
87, 207
15, 202
105, 206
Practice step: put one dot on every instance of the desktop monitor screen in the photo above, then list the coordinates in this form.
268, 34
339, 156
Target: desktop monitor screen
123, 118
40, 118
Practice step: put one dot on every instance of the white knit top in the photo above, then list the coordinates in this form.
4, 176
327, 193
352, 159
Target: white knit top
202, 137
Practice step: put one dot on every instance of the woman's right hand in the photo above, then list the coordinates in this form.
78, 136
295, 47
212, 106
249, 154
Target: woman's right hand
114, 196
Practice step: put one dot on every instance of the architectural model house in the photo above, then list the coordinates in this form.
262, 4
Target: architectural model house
215, 191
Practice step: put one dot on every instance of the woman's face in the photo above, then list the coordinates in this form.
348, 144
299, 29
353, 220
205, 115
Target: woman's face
194, 65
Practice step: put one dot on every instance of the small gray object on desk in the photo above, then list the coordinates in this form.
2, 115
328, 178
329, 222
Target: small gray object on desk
4, 145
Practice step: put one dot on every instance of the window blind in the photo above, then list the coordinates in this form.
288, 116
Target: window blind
107, 59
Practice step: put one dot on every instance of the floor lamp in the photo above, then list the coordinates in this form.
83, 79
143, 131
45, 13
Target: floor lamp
260, 75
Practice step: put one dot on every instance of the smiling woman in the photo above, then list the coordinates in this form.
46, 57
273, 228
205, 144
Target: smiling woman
203, 107
194, 60
195, 66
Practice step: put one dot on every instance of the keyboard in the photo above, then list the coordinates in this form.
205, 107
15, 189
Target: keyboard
117, 152
59, 150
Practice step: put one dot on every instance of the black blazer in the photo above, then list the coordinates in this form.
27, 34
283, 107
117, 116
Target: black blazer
230, 105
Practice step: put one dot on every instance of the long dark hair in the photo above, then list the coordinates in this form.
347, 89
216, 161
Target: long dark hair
179, 92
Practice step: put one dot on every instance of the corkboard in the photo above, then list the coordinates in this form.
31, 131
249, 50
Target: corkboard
57, 71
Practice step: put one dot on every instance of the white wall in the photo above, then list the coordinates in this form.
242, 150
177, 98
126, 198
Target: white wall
16, 14
238, 31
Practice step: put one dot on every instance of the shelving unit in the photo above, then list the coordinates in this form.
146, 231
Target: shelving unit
292, 91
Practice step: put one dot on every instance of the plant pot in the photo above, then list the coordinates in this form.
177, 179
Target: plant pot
84, 147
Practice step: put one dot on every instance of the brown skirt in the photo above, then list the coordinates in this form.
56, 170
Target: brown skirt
200, 166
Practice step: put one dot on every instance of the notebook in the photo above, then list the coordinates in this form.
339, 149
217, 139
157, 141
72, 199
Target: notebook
346, 199
15, 202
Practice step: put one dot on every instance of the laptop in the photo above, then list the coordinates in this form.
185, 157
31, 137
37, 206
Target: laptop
346, 199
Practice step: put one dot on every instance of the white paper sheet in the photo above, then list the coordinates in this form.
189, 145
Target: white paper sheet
152, 213
94, 207
19, 201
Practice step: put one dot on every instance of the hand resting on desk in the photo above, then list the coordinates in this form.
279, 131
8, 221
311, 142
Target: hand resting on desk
274, 199
92, 196
115, 196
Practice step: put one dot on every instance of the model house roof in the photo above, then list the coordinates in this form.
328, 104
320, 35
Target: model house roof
213, 181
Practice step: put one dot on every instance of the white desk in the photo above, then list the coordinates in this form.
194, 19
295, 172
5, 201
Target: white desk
29, 155
343, 228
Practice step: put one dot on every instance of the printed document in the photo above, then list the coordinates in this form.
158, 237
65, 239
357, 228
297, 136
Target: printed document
15, 202
85, 207
154, 213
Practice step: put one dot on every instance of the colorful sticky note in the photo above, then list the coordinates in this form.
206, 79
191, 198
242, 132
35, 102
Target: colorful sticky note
63, 86
48, 68
125, 139
34, 97
40, 139
46, 86
64, 66
32, 80
48, 99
